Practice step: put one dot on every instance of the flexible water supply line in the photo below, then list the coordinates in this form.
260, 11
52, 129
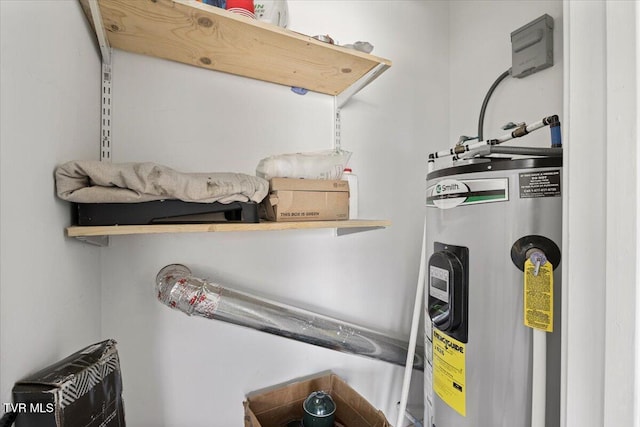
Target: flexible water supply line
177, 288
483, 109
417, 307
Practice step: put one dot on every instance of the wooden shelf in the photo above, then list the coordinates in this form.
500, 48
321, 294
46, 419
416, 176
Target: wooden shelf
205, 36
355, 225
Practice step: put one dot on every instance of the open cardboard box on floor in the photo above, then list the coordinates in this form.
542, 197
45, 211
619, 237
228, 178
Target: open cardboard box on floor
278, 405
293, 199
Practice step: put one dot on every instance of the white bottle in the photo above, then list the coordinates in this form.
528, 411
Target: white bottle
352, 179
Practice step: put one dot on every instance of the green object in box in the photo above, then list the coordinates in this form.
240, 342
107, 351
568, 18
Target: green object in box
319, 410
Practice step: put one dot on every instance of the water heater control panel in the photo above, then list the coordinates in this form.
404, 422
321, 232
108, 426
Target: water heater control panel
448, 290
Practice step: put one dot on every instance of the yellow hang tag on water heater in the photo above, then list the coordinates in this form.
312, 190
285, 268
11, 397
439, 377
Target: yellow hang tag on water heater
538, 296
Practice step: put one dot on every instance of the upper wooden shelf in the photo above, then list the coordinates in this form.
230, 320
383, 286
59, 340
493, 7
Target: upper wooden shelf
209, 37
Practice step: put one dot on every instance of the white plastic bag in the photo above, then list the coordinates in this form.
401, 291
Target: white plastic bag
273, 11
327, 164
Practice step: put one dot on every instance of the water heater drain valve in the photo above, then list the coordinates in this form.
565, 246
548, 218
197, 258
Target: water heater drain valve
537, 248
538, 258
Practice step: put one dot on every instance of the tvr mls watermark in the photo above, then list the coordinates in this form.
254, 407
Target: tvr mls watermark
30, 408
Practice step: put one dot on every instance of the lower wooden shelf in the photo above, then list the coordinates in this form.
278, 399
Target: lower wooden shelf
117, 230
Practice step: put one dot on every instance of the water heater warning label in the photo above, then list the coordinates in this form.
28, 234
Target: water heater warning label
449, 371
540, 184
538, 296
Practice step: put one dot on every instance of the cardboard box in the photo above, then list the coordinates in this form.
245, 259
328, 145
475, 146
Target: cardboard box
279, 405
85, 389
292, 199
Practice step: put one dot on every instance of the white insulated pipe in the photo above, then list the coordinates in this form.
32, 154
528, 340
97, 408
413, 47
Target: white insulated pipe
539, 379
539, 357
177, 288
415, 323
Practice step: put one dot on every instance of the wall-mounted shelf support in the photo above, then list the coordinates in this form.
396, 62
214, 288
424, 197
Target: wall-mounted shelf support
101, 241
105, 114
105, 103
105, 111
351, 230
347, 94
341, 99
103, 41
337, 124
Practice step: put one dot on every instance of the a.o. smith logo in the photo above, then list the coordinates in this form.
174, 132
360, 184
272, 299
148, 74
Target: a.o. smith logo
449, 193
452, 187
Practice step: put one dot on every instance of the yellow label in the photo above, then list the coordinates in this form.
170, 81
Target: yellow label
538, 296
449, 371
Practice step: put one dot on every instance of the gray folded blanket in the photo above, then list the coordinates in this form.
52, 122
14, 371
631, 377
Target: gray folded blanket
101, 182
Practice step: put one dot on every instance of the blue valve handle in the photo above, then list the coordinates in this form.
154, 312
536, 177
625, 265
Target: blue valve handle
538, 258
556, 136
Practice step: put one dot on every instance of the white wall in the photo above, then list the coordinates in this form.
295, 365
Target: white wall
601, 220
50, 287
585, 218
621, 398
192, 371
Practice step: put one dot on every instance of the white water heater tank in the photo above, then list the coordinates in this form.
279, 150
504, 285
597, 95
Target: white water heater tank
484, 220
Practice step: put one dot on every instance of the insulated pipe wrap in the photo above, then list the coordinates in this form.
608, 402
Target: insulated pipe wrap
178, 289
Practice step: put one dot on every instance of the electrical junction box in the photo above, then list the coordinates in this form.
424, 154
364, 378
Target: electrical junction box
532, 47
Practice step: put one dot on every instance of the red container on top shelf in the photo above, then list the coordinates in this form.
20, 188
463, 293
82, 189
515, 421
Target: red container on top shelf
242, 7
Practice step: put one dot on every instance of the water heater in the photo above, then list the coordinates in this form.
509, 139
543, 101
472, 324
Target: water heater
493, 269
